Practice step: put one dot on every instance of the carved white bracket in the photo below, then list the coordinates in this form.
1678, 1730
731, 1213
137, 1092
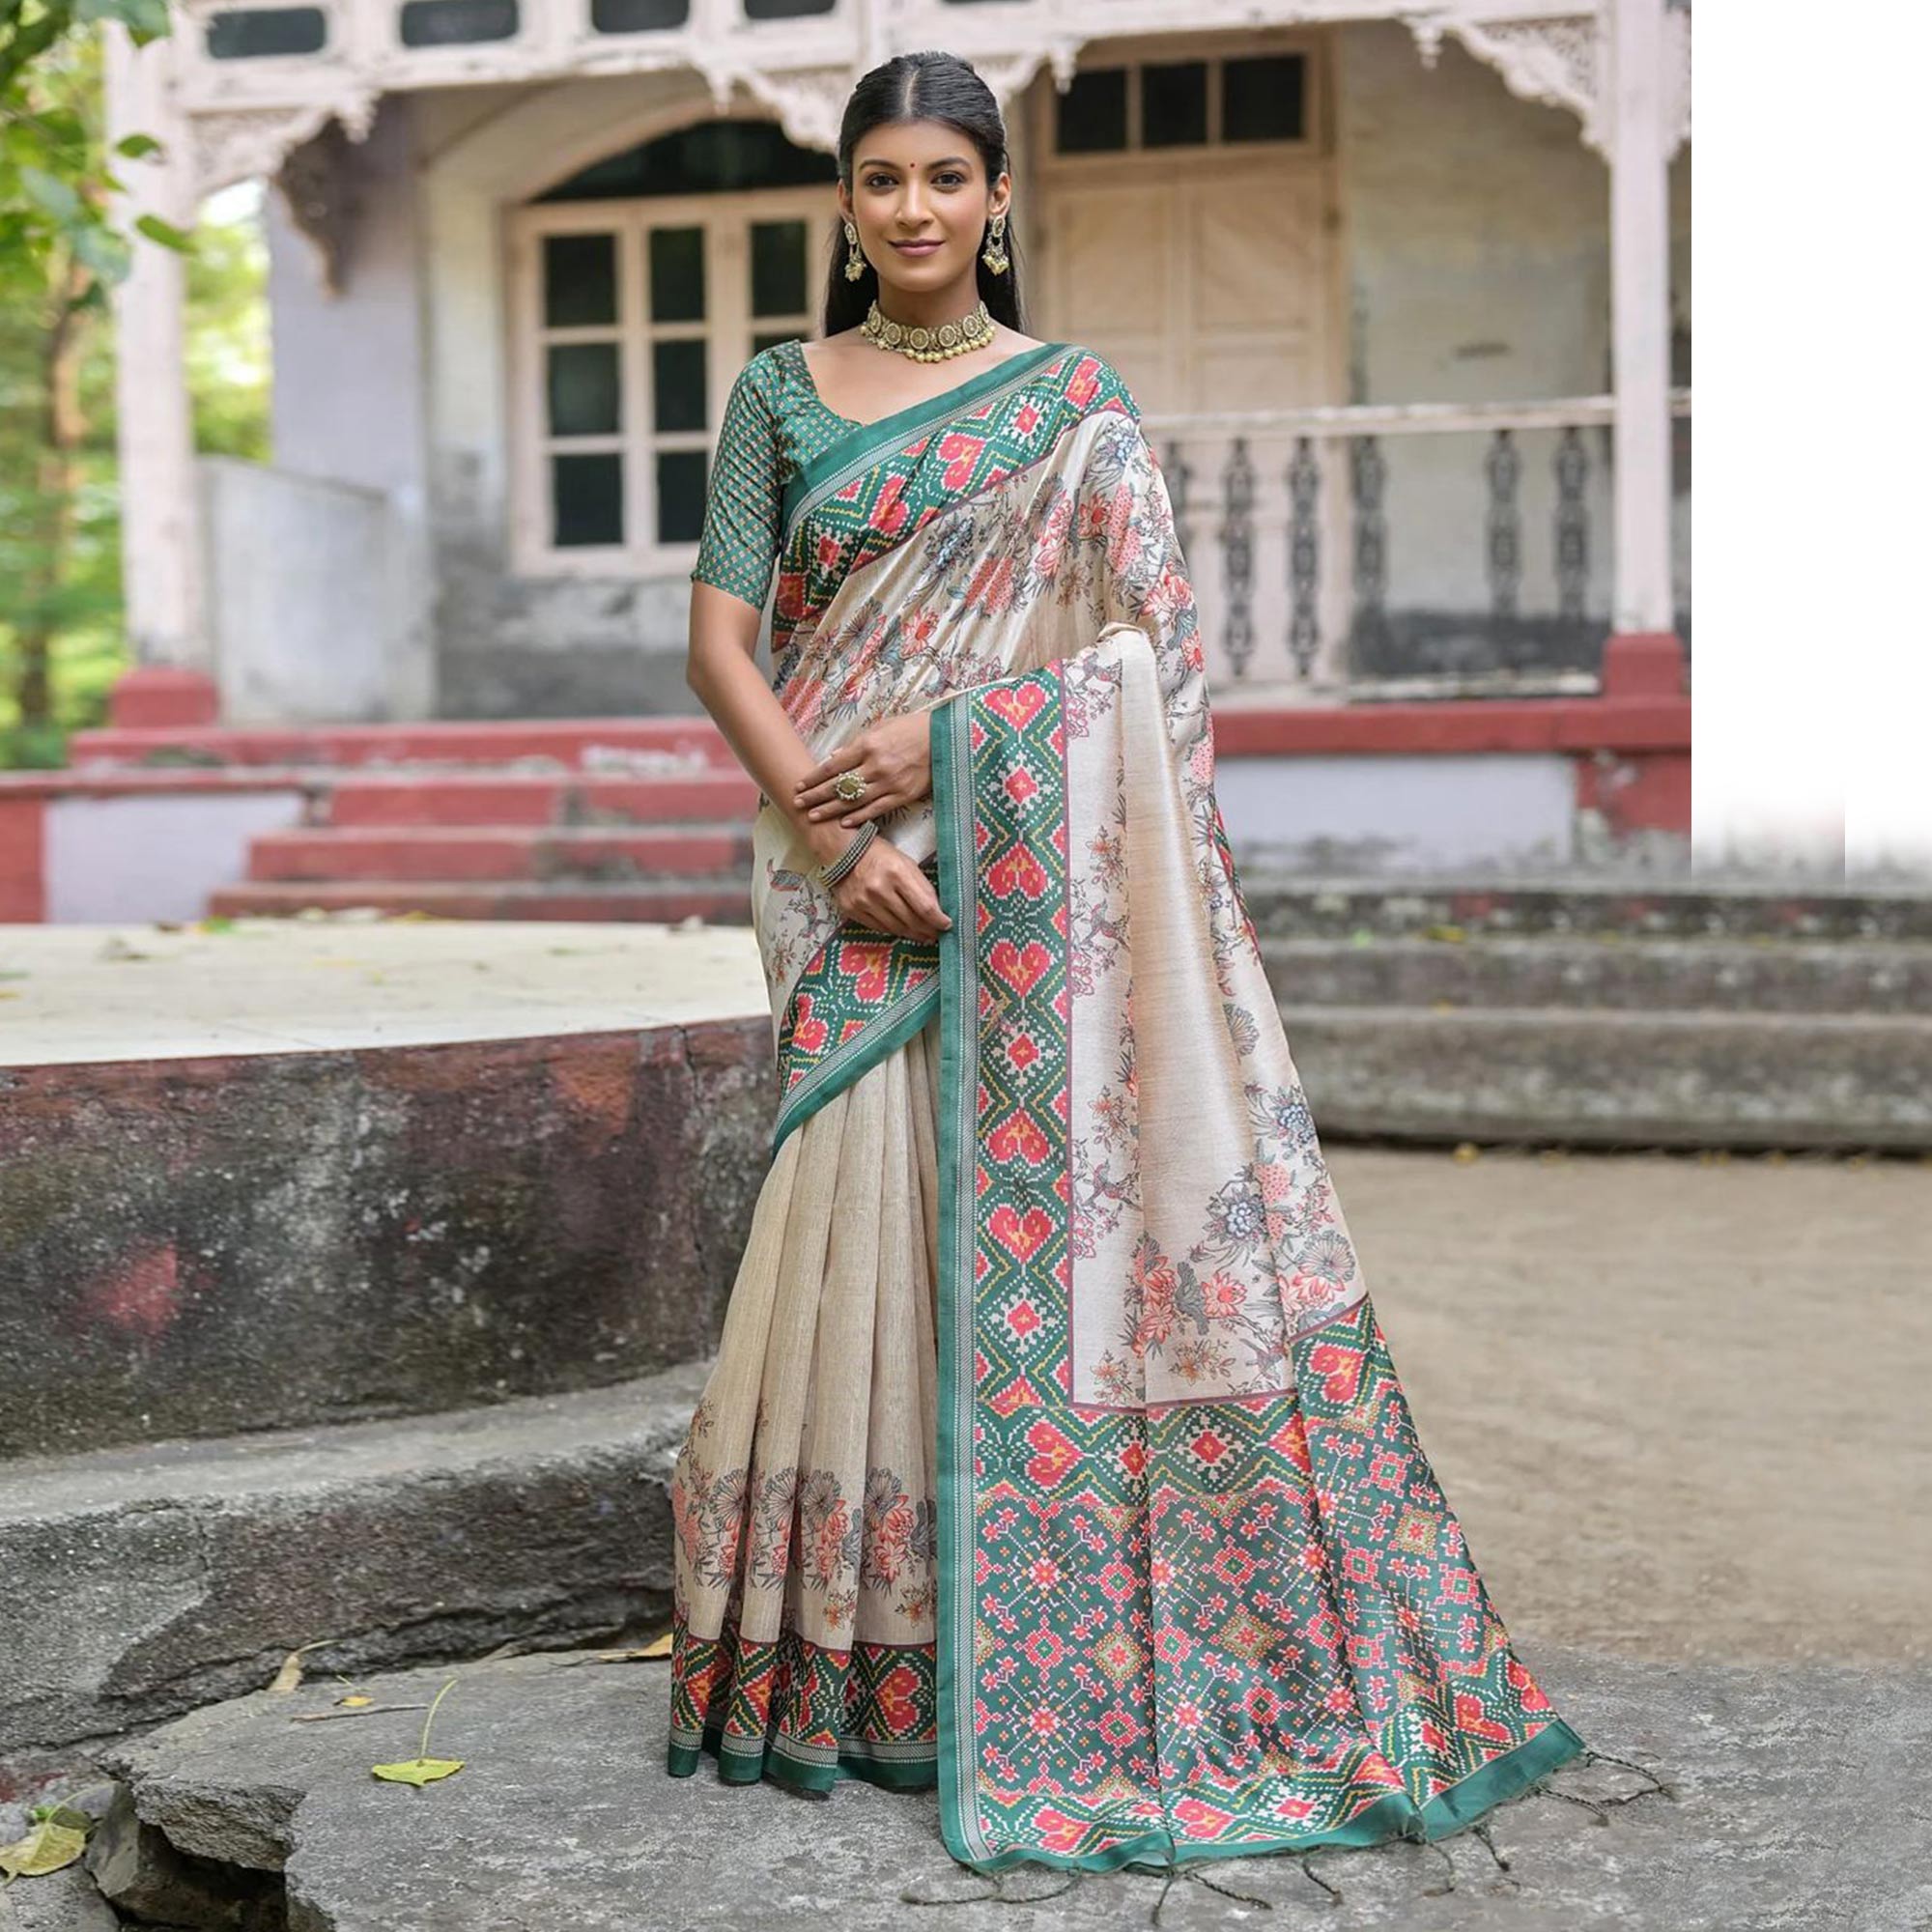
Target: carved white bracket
1562, 60
248, 141
807, 102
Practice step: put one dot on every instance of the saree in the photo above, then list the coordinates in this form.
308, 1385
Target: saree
1054, 1454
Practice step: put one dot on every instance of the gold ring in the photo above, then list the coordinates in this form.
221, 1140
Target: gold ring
849, 784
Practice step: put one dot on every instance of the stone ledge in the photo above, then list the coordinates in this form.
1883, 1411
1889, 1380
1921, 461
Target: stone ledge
1782, 1810
1623, 1080
146, 1580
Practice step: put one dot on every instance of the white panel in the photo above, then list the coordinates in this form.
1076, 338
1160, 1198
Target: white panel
1395, 814
143, 857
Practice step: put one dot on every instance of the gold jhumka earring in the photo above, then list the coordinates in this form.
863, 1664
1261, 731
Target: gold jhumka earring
856, 264
994, 254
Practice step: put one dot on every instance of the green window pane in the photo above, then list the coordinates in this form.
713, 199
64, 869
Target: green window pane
637, 16
1262, 99
677, 275
681, 476
678, 385
579, 280
705, 158
259, 33
760, 343
1173, 105
1093, 113
586, 500
778, 268
584, 394
455, 23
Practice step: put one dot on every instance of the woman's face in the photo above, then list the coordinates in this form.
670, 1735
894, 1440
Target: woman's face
920, 181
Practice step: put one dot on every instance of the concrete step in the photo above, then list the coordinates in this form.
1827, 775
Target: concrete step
475, 854
1744, 1748
519, 798
628, 747
144, 1581
1591, 1077
380, 1224
1614, 971
1294, 906
717, 901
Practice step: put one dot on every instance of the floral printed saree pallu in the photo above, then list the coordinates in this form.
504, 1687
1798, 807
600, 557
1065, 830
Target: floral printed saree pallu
1198, 1594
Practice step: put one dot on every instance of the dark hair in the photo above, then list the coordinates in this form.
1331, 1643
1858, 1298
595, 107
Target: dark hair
927, 86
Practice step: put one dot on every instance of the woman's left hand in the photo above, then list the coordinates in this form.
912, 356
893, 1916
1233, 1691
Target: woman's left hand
895, 755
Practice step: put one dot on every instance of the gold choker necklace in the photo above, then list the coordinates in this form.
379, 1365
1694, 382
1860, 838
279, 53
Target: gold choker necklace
972, 331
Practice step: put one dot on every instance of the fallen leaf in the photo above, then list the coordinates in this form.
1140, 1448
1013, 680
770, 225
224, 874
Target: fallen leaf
291, 1673
46, 1848
418, 1771
658, 1647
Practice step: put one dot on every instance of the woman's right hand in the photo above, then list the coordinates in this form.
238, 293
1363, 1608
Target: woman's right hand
888, 892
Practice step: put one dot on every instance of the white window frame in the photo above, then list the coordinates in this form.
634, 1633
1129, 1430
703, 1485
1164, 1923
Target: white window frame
728, 328
1135, 52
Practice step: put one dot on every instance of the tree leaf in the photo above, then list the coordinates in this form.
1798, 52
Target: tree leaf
145, 20
102, 250
165, 233
46, 1848
137, 147
418, 1771
50, 194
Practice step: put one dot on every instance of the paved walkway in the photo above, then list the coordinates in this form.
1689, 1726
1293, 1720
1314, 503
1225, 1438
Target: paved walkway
1682, 1406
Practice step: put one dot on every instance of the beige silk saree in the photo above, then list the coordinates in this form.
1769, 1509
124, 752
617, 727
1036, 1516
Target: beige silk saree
1053, 1453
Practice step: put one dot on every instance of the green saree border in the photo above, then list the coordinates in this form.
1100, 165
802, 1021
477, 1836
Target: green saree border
1455, 1808
834, 466
958, 1030
747, 1762
845, 1064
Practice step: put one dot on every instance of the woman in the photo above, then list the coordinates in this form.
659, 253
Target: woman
1052, 1453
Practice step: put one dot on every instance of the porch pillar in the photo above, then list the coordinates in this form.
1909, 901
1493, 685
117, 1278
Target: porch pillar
1643, 655
172, 681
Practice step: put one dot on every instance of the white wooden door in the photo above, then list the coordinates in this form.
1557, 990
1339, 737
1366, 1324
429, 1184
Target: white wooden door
1208, 277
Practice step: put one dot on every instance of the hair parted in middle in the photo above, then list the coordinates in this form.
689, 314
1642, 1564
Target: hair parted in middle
925, 86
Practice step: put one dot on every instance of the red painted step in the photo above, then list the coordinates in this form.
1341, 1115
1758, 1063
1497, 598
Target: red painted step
469, 854
627, 747
717, 901
515, 798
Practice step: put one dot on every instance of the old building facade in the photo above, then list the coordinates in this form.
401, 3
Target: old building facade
1403, 292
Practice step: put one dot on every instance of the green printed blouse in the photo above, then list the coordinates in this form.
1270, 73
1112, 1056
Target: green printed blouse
774, 425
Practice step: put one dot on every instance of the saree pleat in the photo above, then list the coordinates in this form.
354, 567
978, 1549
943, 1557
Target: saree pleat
1053, 1452
802, 1497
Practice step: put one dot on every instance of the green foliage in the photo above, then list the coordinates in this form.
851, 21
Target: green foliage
56, 179
61, 630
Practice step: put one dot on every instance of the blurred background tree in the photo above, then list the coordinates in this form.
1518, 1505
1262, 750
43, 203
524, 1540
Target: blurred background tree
62, 639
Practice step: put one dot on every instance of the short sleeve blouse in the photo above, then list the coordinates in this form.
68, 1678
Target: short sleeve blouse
773, 424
